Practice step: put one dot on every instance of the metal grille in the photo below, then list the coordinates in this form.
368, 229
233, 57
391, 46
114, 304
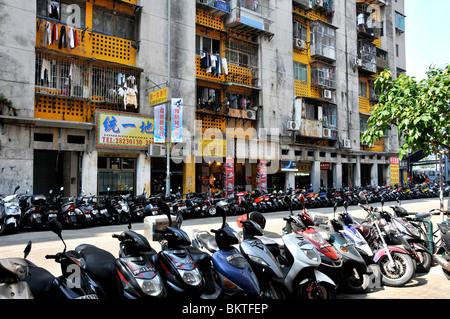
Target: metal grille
64, 76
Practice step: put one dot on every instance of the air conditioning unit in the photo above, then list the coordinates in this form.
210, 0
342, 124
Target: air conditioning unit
251, 115
292, 126
347, 143
299, 43
156, 150
318, 2
326, 133
326, 94
357, 62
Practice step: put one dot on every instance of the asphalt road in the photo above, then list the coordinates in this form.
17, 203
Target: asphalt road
433, 285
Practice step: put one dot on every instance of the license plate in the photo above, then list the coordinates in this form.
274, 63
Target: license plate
92, 296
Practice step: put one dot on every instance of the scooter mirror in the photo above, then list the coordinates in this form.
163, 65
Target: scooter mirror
16, 189
27, 250
302, 199
55, 226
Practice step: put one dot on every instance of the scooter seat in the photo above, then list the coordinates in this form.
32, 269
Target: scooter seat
40, 281
208, 241
100, 264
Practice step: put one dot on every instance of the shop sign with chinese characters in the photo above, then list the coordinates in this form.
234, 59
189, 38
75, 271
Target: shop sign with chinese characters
394, 170
123, 130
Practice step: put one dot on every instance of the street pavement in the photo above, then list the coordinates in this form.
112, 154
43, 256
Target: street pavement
433, 285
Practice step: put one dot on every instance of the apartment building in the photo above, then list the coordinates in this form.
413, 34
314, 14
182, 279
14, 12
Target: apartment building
272, 93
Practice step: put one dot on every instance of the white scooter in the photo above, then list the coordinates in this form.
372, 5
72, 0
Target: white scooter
299, 261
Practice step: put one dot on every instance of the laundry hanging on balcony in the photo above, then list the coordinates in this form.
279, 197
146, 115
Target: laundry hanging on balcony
213, 63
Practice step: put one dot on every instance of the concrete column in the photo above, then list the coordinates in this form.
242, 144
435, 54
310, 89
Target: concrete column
143, 174
374, 174
290, 179
248, 173
89, 172
337, 175
315, 173
357, 172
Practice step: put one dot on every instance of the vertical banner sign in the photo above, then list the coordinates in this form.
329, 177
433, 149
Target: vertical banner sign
228, 171
160, 124
176, 125
394, 170
261, 176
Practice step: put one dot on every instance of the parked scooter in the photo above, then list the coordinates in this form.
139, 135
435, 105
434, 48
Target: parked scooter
74, 282
396, 265
299, 261
235, 274
134, 275
258, 255
32, 207
186, 273
443, 259
354, 269
10, 213
13, 275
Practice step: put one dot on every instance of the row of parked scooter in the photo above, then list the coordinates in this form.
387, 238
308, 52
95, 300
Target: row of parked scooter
314, 258
33, 212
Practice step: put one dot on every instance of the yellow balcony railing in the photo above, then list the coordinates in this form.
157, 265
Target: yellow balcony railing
90, 44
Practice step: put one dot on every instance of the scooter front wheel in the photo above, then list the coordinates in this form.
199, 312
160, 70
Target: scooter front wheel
398, 275
316, 290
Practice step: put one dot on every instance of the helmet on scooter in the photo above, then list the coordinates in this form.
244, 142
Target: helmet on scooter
258, 218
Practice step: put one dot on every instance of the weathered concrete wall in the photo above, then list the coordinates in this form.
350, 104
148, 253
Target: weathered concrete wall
17, 56
277, 83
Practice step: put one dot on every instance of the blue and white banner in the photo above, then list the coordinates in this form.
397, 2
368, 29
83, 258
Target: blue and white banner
176, 134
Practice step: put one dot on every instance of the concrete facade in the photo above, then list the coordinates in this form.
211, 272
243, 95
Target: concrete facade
19, 127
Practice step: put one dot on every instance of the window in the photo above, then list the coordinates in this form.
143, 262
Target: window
241, 101
300, 72
323, 75
363, 123
70, 12
329, 116
363, 89
400, 21
323, 40
300, 31
205, 44
209, 99
114, 23
243, 54
311, 111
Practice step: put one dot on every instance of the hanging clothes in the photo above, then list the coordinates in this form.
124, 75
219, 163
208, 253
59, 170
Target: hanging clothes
47, 34
63, 38
70, 39
54, 33
225, 65
53, 10
45, 70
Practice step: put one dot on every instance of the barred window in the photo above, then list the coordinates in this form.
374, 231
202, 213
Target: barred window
300, 72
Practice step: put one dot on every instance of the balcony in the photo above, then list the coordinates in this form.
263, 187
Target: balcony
323, 75
90, 44
367, 53
302, 4
382, 59
218, 8
71, 88
324, 6
250, 18
323, 41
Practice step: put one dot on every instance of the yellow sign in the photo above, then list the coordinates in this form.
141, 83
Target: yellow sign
394, 170
123, 130
158, 97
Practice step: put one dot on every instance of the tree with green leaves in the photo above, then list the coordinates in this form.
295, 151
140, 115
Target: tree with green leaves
420, 110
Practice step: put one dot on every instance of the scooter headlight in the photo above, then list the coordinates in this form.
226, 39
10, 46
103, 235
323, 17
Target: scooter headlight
311, 253
21, 271
191, 277
258, 260
152, 287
